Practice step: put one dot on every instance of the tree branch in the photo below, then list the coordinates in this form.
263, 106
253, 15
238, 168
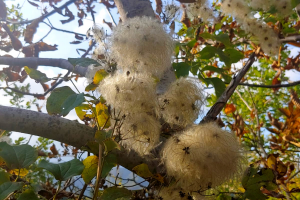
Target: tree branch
221, 102
61, 63
44, 16
66, 131
272, 86
134, 8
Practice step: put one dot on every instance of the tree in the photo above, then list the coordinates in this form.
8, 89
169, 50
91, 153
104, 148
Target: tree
144, 117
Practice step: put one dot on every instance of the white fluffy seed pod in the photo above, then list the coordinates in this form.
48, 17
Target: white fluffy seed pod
200, 9
201, 157
173, 193
139, 132
130, 93
182, 101
142, 45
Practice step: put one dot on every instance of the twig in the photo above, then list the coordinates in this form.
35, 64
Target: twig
82, 191
89, 6
272, 86
221, 102
61, 63
258, 126
38, 95
245, 102
89, 49
111, 17
43, 16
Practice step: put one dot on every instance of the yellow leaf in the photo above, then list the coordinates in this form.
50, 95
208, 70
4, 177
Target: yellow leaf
271, 161
102, 115
99, 76
19, 172
142, 170
90, 168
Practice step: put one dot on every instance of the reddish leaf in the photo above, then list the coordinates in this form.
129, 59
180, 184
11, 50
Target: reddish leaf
81, 14
69, 14
75, 42
31, 29
109, 24
58, 10
33, 4
80, 22
275, 81
158, 6
229, 108
78, 37
45, 86
107, 4
46, 47
53, 149
16, 43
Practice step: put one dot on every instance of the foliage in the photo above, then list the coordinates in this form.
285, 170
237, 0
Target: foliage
129, 114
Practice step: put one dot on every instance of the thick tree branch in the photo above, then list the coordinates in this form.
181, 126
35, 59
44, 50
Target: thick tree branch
44, 125
221, 102
66, 131
61, 63
134, 8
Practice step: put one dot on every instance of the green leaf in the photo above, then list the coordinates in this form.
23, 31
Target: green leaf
110, 161
206, 36
71, 102
101, 135
218, 84
36, 75
234, 55
295, 3
114, 193
181, 69
57, 99
254, 179
63, 171
28, 195
191, 43
208, 52
8, 188
110, 145
83, 62
214, 69
90, 168
224, 38
224, 57
91, 87
4, 177
17, 157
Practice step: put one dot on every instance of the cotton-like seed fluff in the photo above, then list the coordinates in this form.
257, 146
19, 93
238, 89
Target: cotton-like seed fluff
181, 103
203, 156
142, 45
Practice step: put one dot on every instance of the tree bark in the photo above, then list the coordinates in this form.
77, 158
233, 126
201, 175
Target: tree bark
61, 63
134, 8
66, 131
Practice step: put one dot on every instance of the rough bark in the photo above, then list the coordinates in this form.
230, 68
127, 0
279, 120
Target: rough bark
44, 125
134, 8
64, 130
61, 63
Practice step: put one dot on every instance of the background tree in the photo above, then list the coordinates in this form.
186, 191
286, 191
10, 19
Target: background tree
243, 49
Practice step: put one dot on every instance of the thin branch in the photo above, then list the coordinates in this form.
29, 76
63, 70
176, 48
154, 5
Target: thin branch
43, 16
89, 6
272, 86
61, 63
221, 102
292, 38
36, 94
89, 49
110, 15
245, 102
